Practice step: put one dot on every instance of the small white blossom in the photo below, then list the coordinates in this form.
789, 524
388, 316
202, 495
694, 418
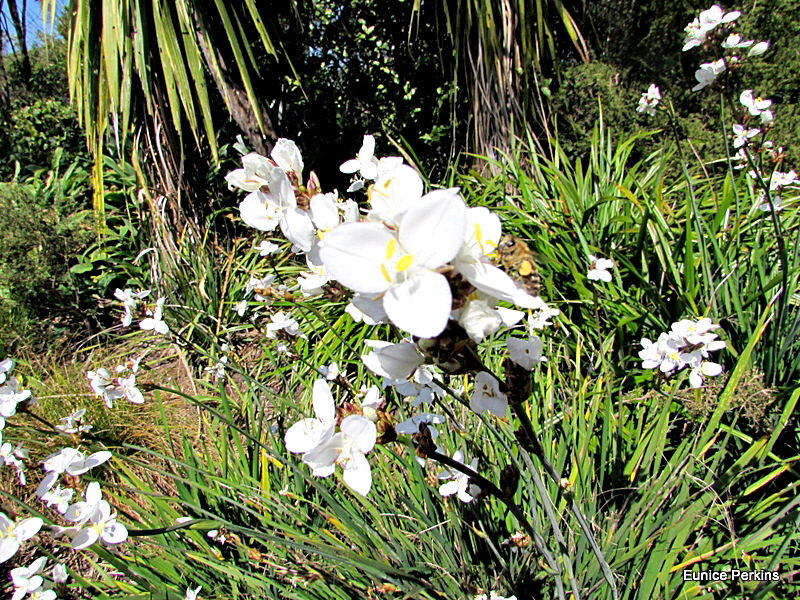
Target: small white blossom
734, 40
708, 72
74, 423
191, 594
487, 396
755, 106
741, 135
649, 100
526, 353
265, 248
364, 162
12, 534
130, 300
599, 270
27, 579
459, 482
59, 573
155, 321
282, 322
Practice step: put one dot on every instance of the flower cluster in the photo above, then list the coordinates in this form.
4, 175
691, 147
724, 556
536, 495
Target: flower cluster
404, 258
686, 345
28, 581
109, 388
323, 448
93, 520
713, 27
649, 100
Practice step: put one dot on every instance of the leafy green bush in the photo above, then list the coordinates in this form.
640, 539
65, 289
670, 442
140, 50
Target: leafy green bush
45, 226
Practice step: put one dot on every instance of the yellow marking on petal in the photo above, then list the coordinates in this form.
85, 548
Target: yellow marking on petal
385, 273
404, 262
391, 247
387, 183
525, 268
478, 233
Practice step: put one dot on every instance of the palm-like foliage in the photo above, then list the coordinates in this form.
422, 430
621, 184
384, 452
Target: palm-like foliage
161, 67
504, 56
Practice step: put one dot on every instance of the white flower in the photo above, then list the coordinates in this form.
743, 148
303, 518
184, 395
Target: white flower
755, 106
240, 308
649, 100
540, 319
704, 369
9, 455
73, 423
716, 16
282, 322
59, 497
411, 425
266, 248
599, 271
6, 366
12, 534
393, 193
83, 511
257, 211
127, 385
155, 321
70, 461
130, 300
526, 353
59, 573
287, 156
765, 206
101, 384
308, 434
102, 525
697, 30
330, 372
11, 396
692, 331
459, 482
779, 180
708, 72
218, 369
26, 579
487, 396
734, 40
741, 135
364, 309
347, 448
364, 162
479, 319
402, 264
191, 594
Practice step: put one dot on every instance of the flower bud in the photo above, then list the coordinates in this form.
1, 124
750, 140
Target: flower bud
758, 49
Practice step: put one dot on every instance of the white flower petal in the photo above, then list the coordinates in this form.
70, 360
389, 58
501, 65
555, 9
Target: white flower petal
361, 430
307, 434
257, 212
420, 305
357, 474
298, 228
352, 254
432, 230
395, 361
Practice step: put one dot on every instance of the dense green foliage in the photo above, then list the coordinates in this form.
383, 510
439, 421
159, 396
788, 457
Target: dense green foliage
633, 475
